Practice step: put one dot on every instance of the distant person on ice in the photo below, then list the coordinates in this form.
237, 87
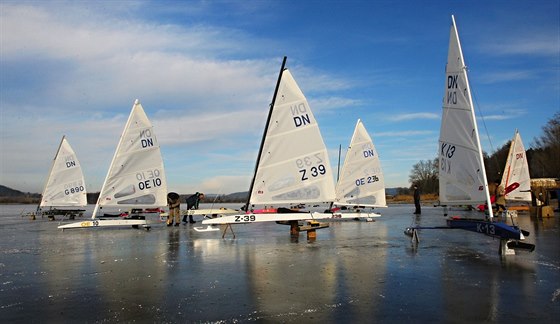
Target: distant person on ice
500, 197
174, 205
417, 200
192, 203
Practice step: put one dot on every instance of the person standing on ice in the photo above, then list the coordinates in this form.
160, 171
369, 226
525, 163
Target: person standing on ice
192, 203
500, 198
418, 210
174, 205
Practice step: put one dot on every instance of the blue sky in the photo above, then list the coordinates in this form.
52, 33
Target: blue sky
205, 73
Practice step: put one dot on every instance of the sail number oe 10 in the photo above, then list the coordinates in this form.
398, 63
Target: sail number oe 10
148, 179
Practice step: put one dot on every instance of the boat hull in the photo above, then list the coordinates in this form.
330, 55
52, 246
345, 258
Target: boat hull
280, 217
209, 211
493, 229
106, 222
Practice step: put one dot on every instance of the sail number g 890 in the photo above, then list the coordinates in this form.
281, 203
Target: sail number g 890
73, 190
74, 187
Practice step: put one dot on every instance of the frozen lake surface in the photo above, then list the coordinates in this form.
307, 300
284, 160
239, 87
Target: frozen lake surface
355, 272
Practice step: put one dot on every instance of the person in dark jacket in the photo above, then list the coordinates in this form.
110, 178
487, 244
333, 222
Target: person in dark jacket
192, 203
174, 205
417, 200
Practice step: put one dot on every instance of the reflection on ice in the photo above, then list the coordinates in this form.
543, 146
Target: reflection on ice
352, 272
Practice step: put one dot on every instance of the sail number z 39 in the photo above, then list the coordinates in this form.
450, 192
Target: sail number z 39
245, 218
311, 166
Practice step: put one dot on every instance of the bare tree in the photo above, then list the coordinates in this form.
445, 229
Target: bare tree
425, 175
544, 158
496, 162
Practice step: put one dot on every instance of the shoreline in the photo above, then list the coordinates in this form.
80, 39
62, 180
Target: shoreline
398, 199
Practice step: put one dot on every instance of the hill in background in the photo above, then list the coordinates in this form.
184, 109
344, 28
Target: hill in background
9, 195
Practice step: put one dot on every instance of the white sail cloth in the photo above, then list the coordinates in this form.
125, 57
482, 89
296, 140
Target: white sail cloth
517, 171
294, 165
361, 181
136, 177
65, 186
462, 177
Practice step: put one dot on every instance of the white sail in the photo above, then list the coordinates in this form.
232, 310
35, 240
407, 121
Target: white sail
517, 171
65, 186
462, 177
361, 181
136, 177
294, 166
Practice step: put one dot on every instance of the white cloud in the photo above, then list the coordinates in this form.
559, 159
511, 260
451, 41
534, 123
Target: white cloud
414, 116
505, 114
103, 58
103, 65
225, 184
404, 133
327, 104
507, 76
208, 127
536, 43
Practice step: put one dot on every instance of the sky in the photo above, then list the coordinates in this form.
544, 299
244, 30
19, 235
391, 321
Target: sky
205, 73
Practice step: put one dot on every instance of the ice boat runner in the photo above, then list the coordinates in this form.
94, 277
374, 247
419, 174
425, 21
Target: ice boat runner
136, 177
361, 181
462, 177
292, 165
65, 186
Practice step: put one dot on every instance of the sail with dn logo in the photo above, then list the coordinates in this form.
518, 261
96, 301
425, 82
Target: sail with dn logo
65, 186
361, 181
517, 171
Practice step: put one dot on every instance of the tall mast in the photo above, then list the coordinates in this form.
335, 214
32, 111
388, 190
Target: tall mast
337, 175
510, 160
264, 133
338, 166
